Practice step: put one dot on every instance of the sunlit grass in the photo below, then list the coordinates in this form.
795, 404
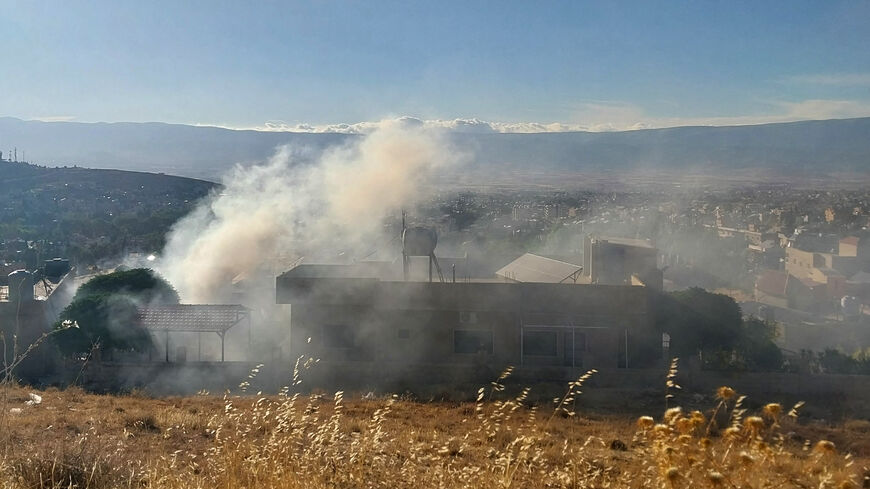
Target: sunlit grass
75, 439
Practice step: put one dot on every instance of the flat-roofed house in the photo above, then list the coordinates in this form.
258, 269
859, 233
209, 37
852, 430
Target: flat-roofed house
341, 314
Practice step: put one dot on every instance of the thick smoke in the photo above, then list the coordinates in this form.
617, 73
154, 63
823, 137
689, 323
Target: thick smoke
299, 203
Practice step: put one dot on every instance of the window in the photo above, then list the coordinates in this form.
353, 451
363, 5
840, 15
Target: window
403, 333
337, 336
472, 341
539, 343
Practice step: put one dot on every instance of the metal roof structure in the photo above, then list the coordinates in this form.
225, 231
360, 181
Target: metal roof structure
213, 318
535, 268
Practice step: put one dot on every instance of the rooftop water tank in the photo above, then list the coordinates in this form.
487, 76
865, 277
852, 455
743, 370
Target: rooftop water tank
419, 241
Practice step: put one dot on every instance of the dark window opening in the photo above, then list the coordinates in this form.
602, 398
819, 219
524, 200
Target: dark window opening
337, 336
403, 334
472, 341
539, 343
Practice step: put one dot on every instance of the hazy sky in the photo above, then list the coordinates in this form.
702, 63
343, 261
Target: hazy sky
603, 64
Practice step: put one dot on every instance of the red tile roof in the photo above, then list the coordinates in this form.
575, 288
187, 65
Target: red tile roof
852, 240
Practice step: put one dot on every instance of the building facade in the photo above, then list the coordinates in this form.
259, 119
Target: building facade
339, 316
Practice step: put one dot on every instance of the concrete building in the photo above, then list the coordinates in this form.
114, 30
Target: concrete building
781, 289
30, 302
621, 261
341, 314
827, 277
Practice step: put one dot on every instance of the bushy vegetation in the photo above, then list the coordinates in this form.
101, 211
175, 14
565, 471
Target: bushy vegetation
710, 325
105, 310
141, 283
503, 440
836, 362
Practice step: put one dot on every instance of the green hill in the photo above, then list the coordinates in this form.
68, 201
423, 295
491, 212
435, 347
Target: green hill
89, 214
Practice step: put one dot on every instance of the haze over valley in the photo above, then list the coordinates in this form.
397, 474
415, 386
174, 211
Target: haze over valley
434, 245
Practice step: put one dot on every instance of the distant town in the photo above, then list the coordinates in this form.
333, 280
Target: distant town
797, 258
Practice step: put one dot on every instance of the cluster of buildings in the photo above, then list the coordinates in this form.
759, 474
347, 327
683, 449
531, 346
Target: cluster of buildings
818, 278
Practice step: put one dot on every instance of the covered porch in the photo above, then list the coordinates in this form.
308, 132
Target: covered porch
193, 318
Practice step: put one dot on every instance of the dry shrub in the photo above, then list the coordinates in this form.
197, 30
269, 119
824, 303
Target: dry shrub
79, 466
141, 421
501, 440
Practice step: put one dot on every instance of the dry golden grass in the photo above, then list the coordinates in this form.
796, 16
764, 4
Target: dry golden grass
75, 439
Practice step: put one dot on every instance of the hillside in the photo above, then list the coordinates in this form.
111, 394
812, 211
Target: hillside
841, 145
201, 152
88, 214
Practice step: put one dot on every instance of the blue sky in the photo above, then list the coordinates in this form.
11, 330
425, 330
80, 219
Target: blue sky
293, 64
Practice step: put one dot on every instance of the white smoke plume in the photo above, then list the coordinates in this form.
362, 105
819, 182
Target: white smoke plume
266, 216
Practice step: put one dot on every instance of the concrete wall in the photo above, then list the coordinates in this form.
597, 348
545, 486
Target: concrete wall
419, 337
798, 262
614, 263
367, 320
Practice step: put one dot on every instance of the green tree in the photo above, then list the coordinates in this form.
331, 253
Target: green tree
105, 309
702, 321
756, 346
698, 320
143, 284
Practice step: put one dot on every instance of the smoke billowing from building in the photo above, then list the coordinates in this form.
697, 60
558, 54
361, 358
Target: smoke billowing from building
298, 202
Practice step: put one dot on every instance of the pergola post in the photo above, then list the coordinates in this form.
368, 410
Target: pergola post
221, 334
198, 347
166, 336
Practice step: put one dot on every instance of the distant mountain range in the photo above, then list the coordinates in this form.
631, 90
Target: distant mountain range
815, 147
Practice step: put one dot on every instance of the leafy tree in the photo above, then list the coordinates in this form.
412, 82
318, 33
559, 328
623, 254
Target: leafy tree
756, 346
698, 320
105, 309
701, 321
141, 283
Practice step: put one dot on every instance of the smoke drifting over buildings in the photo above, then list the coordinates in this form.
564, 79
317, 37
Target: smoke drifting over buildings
299, 202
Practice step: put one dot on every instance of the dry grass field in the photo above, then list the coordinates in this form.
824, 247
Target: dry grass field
74, 439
